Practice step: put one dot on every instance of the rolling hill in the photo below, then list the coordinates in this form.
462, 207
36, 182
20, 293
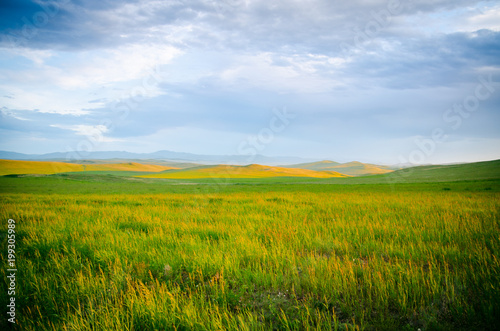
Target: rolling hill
351, 168
443, 173
10, 167
249, 171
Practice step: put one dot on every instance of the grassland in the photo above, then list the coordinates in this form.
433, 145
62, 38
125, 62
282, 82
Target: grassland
102, 252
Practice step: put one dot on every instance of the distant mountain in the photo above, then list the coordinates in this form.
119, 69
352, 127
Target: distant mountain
16, 156
160, 155
351, 168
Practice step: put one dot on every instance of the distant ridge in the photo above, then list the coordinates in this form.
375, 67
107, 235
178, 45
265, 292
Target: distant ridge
353, 168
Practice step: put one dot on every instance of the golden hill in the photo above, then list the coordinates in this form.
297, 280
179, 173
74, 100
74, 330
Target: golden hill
351, 168
8, 167
358, 169
131, 166
249, 171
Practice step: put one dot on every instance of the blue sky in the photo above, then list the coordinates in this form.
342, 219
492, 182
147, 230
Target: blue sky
383, 81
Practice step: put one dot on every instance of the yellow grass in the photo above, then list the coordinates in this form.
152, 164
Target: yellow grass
8, 167
249, 171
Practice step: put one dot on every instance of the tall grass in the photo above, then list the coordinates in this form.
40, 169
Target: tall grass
250, 261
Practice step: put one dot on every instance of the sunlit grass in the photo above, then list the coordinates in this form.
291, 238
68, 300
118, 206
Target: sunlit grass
257, 260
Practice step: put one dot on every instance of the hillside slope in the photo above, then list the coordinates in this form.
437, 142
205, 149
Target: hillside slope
443, 173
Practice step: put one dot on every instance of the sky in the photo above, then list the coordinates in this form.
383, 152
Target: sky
381, 81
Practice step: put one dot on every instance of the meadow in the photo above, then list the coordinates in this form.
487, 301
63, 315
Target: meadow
103, 252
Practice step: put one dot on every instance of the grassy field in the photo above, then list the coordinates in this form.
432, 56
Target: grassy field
97, 251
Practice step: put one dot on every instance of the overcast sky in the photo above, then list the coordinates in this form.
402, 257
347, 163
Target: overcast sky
383, 81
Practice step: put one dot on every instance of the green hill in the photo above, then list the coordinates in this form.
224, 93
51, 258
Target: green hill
447, 173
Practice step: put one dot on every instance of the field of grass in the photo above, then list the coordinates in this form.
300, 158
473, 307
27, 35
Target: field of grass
105, 252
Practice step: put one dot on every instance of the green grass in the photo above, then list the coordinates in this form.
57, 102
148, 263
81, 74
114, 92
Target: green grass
105, 252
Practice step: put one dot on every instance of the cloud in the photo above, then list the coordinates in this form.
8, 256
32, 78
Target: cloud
357, 73
95, 133
131, 70
317, 25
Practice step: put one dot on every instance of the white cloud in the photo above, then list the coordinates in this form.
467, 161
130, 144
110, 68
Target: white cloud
487, 19
284, 74
67, 84
224, 62
462, 19
46, 100
38, 57
95, 133
127, 63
